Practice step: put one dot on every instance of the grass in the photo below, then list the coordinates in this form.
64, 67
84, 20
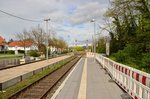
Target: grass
112, 58
8, 56
21, 85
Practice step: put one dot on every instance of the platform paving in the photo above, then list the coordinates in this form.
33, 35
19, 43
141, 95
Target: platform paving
98, 83
71, 87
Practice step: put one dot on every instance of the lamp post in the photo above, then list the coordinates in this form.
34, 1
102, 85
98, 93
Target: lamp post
46, 20
68, 44
94, 46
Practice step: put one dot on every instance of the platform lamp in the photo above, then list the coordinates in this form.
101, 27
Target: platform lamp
94, 49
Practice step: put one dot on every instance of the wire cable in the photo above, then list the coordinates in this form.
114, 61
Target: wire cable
19, 17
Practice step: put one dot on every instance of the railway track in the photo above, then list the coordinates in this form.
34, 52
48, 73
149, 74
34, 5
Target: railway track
41, 88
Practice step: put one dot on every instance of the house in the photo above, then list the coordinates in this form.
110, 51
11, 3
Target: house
21, 45
2, 44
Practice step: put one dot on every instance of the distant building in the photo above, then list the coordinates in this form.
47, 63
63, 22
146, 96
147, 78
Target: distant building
2, 44
21, 45
81, 45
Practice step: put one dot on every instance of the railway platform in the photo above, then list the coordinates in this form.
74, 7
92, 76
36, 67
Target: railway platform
88, 80
11, 76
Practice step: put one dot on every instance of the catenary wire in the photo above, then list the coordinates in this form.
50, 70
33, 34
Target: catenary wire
19, 17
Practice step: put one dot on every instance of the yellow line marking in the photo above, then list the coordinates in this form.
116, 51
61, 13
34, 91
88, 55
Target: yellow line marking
82, 89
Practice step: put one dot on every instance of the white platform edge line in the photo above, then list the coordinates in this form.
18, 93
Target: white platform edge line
63, 84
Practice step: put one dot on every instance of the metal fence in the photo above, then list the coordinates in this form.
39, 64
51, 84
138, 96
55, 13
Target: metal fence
135, 82
9, 62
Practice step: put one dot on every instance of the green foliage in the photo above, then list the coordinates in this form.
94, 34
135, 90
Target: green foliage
64, 52
34, 53
7, 52
130, 37
130, 55
146, 62
10, 52
101, 48
59, 43
21, 51
120, 56
78, 48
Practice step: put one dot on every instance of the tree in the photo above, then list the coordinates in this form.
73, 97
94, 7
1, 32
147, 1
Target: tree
131, 22
39, 37
101, 48
11, 40
58, 43
23, 40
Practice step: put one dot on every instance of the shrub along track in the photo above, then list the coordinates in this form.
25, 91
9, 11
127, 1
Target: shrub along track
41, 88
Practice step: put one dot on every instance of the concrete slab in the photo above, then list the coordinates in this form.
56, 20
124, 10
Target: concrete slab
71, 88
126, 96
46, 67
37, 71
27, 75
99, 85
10, 82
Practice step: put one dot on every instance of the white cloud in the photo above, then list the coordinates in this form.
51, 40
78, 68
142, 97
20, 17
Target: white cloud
87, 12
57, 10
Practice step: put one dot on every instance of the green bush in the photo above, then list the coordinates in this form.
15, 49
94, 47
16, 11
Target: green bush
128, 54
131, 50
146, 62
101, 50
10, 52
21, 51
120, 56
2, 52
34, 53
132, 56
7, 52
64, 52
78, 48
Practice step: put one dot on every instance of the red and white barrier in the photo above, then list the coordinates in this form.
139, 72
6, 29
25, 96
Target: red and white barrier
136, 83
90, 54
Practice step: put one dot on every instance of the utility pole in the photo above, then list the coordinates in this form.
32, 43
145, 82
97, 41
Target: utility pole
94, 46
68, 43
94, 37
92, 43
87, 44
47, 20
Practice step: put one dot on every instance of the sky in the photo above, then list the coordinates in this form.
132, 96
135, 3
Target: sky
70, 19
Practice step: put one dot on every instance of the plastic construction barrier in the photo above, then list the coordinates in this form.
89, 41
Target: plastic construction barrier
135, 82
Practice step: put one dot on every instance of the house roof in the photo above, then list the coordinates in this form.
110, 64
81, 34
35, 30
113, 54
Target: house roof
2, 40
20, 44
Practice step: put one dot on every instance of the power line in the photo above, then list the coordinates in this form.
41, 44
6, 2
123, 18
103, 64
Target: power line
19, 17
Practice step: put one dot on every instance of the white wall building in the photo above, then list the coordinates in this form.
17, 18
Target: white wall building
19, 45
